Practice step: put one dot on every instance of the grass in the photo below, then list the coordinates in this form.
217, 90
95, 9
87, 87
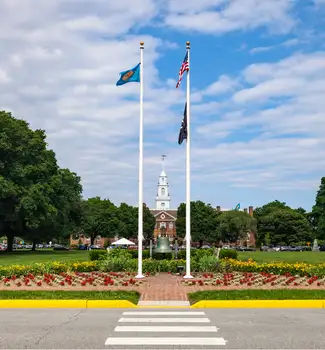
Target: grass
256, 294
289, 257
64, 295
28, 257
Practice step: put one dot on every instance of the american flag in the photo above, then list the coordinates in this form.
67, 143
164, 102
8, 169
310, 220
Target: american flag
184, 67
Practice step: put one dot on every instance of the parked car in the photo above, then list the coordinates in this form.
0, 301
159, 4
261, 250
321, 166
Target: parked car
94, 246
322, 248
82, 247
205, 246
60, 247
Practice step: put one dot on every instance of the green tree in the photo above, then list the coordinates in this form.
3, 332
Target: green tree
149, 222
318, 212
203, 222
128, 221
99, 217
282, 225
234, 225
65, 195
27, 172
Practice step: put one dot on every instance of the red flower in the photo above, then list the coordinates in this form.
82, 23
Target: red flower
62, 283
39, 283
18, 284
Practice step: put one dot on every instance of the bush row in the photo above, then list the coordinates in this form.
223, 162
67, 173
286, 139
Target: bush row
181, 254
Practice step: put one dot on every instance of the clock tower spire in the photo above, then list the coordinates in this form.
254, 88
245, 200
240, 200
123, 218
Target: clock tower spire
163, 198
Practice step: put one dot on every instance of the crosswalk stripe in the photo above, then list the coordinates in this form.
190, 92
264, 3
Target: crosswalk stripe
165, 341
162, 313
158, 329
164, 320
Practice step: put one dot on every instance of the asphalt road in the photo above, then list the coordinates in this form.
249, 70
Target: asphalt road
177, 329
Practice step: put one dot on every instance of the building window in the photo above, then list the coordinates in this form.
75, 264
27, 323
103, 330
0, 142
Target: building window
163, 191
162, 224
171, 225
163, 204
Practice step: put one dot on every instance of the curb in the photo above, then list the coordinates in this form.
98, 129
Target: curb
257, 304
59, 304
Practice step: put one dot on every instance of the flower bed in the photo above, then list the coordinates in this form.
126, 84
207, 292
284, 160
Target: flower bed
301, 269
254, 279
75, 279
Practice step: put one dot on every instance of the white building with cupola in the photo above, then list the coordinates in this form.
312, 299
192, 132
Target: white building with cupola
165, 216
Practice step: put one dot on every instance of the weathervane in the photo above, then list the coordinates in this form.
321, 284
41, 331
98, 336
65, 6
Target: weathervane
163, 156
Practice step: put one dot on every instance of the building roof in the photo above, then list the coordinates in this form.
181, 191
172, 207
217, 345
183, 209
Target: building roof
171, 212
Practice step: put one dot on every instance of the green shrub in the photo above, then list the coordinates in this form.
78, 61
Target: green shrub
97, 254
228, 254
208, 263
162, 256
181, 254
119, 253
134, 253
116, 264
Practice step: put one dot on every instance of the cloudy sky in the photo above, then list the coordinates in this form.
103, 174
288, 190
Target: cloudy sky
258, 93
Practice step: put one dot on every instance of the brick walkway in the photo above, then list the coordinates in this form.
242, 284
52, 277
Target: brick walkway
163, 287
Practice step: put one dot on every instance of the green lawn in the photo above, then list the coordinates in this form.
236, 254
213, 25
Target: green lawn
93, 295
289, 257
28, 257
258, 294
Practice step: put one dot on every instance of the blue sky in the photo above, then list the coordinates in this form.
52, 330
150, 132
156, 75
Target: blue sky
257, 77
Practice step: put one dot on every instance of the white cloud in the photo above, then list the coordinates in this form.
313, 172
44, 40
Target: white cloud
60, 63
223, 16
281, 116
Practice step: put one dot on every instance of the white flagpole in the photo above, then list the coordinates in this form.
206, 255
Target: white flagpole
140, 209
188, 170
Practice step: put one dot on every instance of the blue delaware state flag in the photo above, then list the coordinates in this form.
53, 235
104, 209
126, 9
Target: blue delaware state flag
129, 75
237, 206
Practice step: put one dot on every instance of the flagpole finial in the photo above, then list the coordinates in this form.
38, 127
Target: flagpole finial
187, 44
141, 43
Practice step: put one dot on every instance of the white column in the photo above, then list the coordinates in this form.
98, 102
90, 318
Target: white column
188, 170
140, 209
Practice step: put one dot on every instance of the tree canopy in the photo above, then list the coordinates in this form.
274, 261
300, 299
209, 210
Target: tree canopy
318, 212
34, 191
234, 225
203, 222
281, 225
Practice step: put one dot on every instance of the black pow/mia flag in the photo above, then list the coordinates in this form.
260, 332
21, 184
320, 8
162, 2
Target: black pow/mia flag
183, 130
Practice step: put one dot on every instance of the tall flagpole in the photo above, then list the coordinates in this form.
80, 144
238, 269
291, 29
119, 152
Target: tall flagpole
188, 170
140, 209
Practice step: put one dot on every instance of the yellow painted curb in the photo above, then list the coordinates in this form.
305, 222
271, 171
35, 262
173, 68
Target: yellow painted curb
69, 304
238, 304
42, 303
109, 304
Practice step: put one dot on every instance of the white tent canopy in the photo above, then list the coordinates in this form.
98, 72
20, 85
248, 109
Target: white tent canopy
123, 241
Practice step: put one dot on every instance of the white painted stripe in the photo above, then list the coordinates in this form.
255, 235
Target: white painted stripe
162, 313
165, 341
158, 329
164, 320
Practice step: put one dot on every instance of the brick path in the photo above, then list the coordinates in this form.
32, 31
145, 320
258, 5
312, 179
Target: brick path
164, 286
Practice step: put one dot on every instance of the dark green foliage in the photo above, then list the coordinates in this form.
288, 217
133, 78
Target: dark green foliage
278, 224
99, 217
37, 199
203, 222
234, 225
228, 254
149, 223
97, 254
318, 212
